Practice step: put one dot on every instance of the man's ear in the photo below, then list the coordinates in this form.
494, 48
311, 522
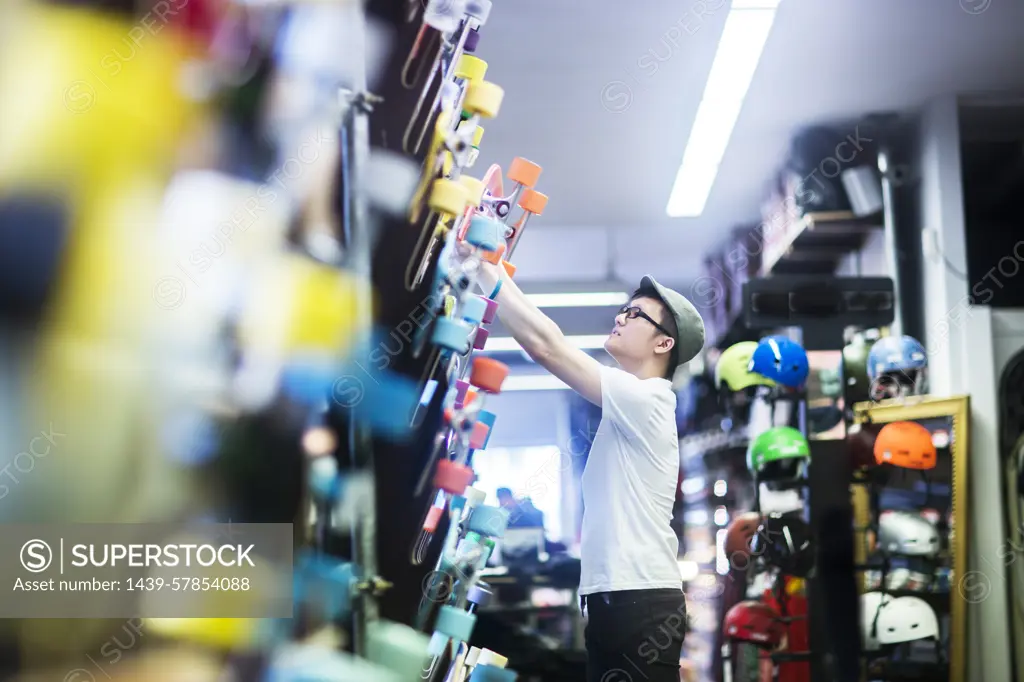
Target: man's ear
665, 344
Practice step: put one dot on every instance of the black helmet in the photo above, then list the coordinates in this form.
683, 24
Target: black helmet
784, 541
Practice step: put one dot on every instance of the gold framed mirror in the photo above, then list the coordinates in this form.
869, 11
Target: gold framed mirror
889, 550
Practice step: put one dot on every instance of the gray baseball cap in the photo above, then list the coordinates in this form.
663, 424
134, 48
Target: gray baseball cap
689, 325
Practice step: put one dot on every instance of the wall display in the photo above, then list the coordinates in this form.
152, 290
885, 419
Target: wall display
768, 549
910, 511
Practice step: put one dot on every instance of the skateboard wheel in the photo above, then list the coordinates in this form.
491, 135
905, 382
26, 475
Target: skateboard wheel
478, 436
321, 301
384, 401
524, 171
432, 518
492, 310
397, 648
472, 40
510, 269
474, 496
455, 624
488, 657
533, 201
474, 188
327, 584
471, 68
226, 634
448, 196
452, 477
479, 10
484, 233
451, 335
488, 374
473, 309
323, 477
489, 521
483, 98
491, 673
479, 595
485, 417
480, 338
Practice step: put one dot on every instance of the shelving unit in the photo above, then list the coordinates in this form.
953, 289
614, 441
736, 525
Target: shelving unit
815, 243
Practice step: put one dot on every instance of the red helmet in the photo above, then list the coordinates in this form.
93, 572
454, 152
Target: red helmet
740, 532
752, 621
860, 444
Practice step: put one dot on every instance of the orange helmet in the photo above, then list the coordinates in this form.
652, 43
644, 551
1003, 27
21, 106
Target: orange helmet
905, 444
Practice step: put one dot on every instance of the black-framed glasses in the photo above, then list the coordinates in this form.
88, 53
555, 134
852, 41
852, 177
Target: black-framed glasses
634, 311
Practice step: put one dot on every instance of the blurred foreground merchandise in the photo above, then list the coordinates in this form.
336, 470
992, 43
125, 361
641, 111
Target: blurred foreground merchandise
177, 191
88, 142
102, 150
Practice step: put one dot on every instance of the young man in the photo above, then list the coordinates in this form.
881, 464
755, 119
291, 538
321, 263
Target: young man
630, 585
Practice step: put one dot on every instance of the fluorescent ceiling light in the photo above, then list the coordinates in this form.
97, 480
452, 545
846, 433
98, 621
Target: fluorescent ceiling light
504, 344
580, 300
533, 382
746, 30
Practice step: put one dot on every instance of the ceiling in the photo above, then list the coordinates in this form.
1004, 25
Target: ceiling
604, 99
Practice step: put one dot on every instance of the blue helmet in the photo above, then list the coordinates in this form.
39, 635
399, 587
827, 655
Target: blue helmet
780, 359
896, 354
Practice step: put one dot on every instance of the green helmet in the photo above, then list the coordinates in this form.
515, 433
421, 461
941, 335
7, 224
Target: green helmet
854, 372
831, 383
780, 453
732, 368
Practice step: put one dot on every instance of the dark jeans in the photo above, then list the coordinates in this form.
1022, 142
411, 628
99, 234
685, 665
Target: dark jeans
635, 635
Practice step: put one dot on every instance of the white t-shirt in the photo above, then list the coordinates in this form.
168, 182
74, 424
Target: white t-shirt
629, 488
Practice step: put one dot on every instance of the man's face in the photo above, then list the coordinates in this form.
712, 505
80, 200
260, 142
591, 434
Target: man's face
636, 338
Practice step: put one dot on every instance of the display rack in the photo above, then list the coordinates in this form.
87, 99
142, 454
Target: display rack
815, 243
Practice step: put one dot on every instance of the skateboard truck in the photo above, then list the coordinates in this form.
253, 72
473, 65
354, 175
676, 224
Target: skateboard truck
452, 476
456, 18
525, 174
439, 17
449, 98
448, 199
532, 203
375, 586
360, 101
449, 334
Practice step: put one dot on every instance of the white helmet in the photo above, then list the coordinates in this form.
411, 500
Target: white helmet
870, 603
907, 533
906, 619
